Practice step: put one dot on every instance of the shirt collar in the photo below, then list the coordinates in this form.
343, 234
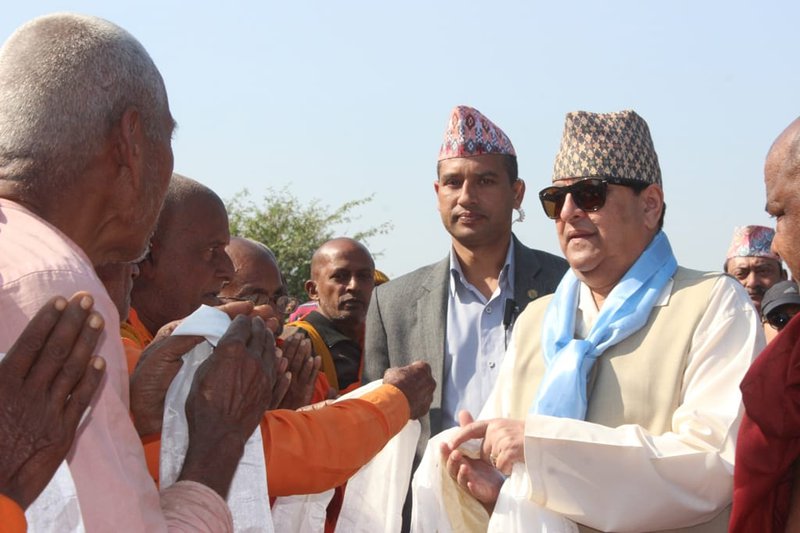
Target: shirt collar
505, 280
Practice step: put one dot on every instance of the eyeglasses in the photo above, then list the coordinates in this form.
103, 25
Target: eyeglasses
779, 318
279, 303
588, 194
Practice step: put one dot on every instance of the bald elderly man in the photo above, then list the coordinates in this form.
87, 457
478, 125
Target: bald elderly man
305, 450
257, 278
766, 476
342, 279
85, 158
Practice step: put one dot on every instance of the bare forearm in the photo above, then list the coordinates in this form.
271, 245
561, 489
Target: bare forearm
213, 462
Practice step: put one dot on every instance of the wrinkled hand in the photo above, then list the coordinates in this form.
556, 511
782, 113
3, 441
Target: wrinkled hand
416, 382
503, 440
157, 367
229, 394
302, 369
47, 380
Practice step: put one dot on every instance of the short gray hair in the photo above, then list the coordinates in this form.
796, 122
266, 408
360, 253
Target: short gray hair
65, 81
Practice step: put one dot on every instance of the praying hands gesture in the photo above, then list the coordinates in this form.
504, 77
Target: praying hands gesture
47, 380
229, 394
163, 358
501, 447
302, 370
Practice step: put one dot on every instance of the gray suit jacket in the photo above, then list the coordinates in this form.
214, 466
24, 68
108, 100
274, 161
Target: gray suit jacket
407, 319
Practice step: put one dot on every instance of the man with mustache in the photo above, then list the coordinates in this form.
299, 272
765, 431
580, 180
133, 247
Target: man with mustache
342, 279
454, 312
617, 406
458, 313
751, 260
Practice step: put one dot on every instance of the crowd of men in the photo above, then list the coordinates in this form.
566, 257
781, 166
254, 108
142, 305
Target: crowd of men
612, 389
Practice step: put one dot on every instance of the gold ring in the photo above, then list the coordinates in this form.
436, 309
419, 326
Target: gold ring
493, 460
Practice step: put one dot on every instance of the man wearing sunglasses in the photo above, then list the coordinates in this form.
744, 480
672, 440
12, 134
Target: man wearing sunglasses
619, 392
781, 302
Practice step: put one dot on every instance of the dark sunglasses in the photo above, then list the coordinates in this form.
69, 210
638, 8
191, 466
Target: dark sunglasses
779, 318
588, 194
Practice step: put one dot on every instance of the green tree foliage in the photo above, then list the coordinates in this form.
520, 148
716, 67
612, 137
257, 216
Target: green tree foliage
293, 230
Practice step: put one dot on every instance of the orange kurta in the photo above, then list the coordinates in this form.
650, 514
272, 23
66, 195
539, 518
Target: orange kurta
12, 518
135, 338
305, 450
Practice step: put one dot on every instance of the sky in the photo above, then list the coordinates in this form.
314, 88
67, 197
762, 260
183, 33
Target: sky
342, 100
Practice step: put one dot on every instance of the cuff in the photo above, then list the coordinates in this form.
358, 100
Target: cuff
191, 506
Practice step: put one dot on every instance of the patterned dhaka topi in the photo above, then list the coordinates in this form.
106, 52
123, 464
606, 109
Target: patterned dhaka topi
613, 145
469, 133
752, 241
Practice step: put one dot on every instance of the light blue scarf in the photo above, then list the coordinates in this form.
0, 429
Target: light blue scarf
626, 309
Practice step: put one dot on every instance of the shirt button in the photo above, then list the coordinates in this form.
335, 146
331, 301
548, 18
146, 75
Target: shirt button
489, 310
491, 364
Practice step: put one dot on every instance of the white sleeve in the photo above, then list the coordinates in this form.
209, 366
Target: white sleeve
624, 478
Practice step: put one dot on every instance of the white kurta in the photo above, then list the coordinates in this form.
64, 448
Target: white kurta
625, 478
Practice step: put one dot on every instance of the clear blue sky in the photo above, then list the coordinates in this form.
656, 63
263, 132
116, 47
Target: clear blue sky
338, 100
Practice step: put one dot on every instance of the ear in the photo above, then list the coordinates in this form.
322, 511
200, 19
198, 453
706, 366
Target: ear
129, 145
652, 199
519, 192
311, 290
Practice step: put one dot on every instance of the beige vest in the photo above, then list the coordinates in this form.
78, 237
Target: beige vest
637, 381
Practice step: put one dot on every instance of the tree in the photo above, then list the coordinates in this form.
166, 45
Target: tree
293, 231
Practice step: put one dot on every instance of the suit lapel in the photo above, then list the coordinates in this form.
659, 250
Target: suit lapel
525, 269
432, 318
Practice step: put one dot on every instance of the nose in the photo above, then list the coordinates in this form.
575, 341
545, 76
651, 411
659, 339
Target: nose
570, 209
467, 194
225, 268
750, 280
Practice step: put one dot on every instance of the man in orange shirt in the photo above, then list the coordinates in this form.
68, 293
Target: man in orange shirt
188, 266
